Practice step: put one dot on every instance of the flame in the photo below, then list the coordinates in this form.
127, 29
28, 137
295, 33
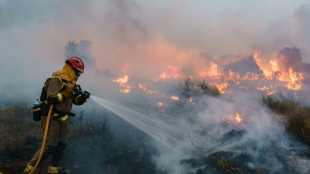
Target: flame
272, 71
212, 72
221, 86
236, 118
274, 65
160, 104
145, 89
271, 92
262, 88
264, 67
176, 98
171, 73
191, 100
122, 81
295, 80
126, 90
232, 75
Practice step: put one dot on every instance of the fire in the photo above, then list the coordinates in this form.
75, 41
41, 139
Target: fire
122, 81
191, 100
126, 90
221, 86
170, 73
263, 66
232, 75
160, 104
271, 92
212, 72
272, 71
295, 80
145, 89
176, 98
236, 118
274, 65
262, 88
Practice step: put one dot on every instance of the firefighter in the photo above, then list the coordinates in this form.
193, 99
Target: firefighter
58, 90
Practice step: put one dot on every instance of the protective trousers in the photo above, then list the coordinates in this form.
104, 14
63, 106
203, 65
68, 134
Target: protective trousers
56, 141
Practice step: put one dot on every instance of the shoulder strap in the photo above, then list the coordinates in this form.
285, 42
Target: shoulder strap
43, 95
61, 80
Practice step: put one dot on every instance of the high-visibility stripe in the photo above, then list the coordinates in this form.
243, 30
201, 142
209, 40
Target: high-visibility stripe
60, 98
64, 118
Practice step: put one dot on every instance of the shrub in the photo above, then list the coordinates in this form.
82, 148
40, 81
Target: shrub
296, 115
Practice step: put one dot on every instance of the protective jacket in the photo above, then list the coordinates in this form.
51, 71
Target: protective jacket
57, 134
51, 93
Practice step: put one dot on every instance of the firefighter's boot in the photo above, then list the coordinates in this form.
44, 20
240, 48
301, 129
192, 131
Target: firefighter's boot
29, 168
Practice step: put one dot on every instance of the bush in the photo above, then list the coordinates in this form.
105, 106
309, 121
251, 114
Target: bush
199, 87
297, 116
20, 135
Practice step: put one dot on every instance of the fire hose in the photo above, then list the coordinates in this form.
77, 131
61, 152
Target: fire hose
44, 139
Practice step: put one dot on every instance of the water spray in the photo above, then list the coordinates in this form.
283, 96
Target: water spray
163, 129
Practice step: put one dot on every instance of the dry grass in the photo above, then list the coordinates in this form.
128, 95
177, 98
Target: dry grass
296, 115
18, 132
85, 128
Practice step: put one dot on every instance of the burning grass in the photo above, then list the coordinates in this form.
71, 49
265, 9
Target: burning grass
296, 115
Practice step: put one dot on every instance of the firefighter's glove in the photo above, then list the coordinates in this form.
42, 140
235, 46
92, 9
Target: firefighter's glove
81, 99
68, 90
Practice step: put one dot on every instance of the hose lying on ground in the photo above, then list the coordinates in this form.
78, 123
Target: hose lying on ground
44, 139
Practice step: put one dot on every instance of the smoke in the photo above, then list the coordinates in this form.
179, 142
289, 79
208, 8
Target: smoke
145, 37
80, 50
244, 66
142, 40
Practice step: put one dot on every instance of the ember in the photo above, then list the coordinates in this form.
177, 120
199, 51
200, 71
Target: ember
176, 98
